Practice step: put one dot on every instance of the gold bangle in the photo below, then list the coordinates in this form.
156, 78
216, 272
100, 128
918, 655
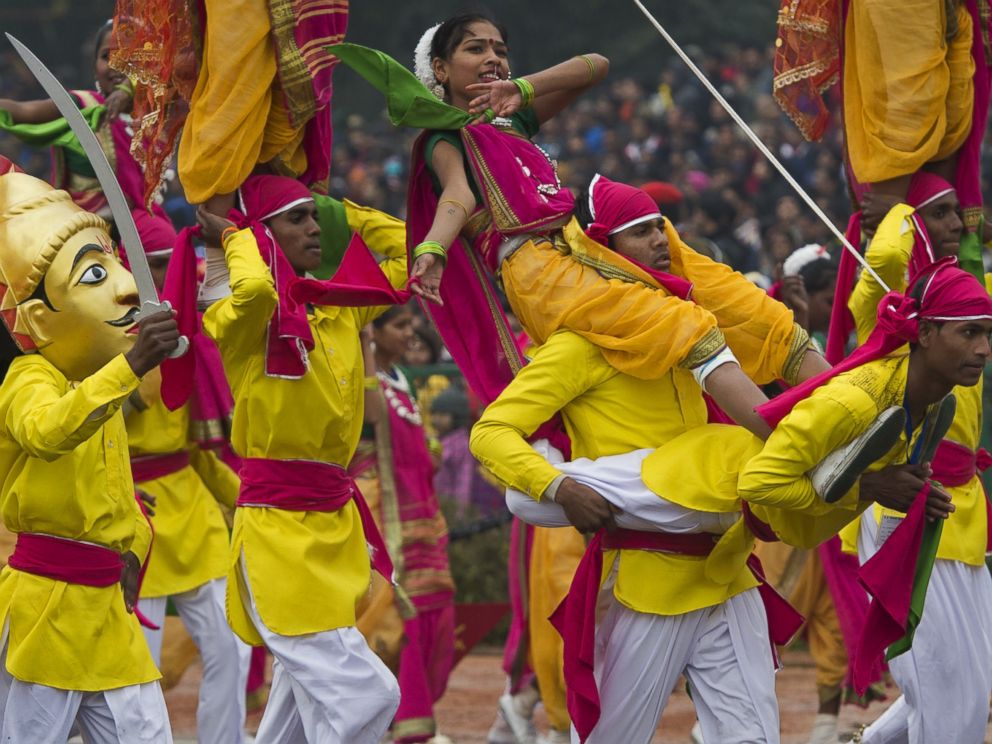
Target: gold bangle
456, 203
590, 64
371, 382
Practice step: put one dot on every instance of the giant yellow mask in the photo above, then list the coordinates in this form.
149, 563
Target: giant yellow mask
63, 292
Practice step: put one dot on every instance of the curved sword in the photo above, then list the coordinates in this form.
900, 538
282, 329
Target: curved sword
147, 294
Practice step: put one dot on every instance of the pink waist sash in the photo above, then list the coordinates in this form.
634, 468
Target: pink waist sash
304, 485
575, 617
150, 467
954, 464
62, 559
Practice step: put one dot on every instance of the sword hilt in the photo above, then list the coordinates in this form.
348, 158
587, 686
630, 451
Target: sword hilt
150, 307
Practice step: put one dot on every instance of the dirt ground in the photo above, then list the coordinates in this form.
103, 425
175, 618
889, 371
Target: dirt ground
467, 709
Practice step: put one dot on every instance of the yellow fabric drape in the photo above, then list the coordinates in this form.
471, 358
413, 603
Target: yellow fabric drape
908, 93
237, 117
641, 329
555, 554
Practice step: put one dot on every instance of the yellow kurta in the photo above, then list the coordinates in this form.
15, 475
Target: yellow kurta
716, 467
605, 413
307, 569
908, 93
965, 532
579, 285
191, 541
63, 452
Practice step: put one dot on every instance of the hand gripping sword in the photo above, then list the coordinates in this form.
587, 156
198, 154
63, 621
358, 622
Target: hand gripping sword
147, 294
761, 146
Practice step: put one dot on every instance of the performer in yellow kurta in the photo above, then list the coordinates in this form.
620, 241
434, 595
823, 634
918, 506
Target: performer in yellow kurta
188, 562
610, 413
946, 678
299, 566
915, 91
72, 653
696, 483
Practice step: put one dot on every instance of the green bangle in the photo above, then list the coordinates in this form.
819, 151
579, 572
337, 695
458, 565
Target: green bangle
126, 87
430, 246
526, 88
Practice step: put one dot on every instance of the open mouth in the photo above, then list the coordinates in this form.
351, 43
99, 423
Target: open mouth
490, 77
125, 320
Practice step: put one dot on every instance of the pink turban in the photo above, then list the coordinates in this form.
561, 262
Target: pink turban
949, 294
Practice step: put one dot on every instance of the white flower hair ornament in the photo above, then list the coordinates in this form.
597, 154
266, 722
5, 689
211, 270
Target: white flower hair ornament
422, 63
803, 256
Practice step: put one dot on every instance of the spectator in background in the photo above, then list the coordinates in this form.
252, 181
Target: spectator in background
459, 477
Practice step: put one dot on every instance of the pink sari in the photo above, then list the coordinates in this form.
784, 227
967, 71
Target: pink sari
410, 510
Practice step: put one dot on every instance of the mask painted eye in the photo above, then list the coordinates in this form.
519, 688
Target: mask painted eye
95, 274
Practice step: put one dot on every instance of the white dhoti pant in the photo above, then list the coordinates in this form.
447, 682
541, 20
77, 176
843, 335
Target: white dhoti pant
38, 714
946, 677
327, 688
617, 478
723, 650
220, 713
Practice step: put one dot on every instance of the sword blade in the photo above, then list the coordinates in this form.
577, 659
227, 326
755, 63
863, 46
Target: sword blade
105, 174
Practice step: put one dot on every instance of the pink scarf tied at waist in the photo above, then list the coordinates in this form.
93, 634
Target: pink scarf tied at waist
72, 561
575, 617
151, 467
303, 485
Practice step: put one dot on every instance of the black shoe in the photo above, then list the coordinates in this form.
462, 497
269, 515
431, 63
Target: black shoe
840, 470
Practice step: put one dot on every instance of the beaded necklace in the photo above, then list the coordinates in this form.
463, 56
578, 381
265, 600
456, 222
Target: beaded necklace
390, 385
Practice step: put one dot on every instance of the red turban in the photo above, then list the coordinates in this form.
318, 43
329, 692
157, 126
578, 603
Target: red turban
663, 192
614, 207
925, 187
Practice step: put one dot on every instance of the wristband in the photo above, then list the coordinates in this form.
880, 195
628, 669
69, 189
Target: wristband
370, 382
227, 233
526, 88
